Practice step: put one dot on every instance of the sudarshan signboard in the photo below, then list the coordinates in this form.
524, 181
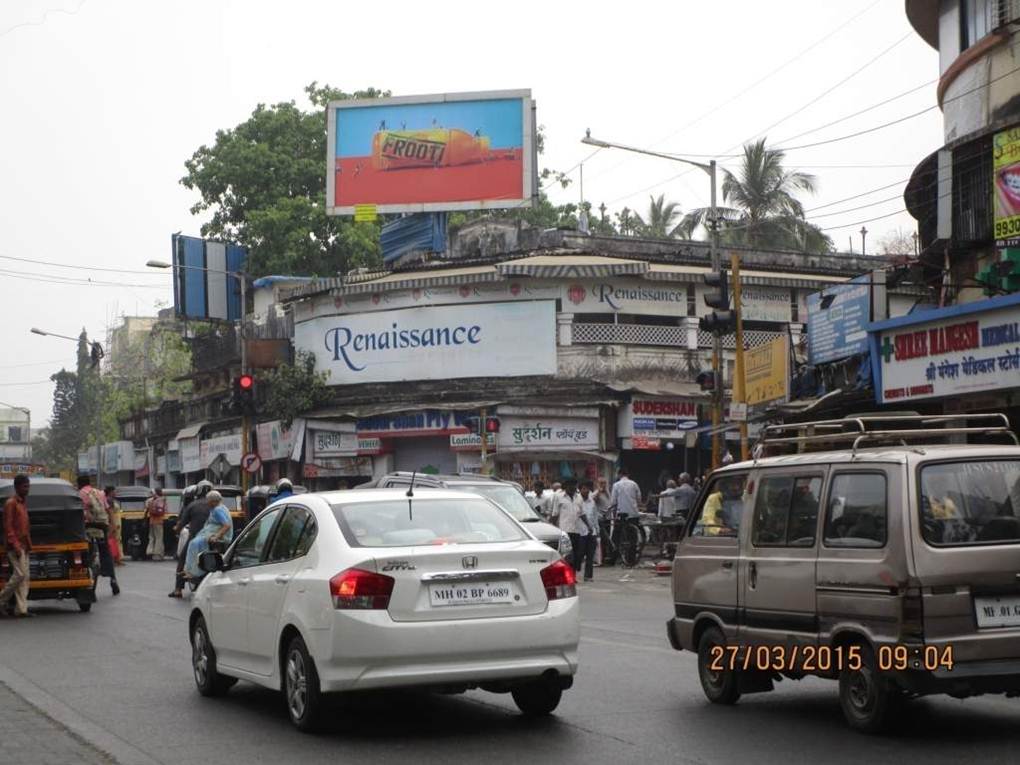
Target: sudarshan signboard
453, 151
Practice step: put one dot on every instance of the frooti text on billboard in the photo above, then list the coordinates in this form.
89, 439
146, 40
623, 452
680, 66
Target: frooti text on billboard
433, 343
453, 151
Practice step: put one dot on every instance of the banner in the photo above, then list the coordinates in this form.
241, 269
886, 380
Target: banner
839, 331
767, 372
1006, 187
275, 442
652, 418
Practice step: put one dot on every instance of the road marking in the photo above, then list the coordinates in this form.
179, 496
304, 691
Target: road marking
114, 746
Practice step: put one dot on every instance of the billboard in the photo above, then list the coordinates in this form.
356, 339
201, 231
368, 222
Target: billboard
487, 340
202, 287
452, 151
766, 372
839, 331
1006, 181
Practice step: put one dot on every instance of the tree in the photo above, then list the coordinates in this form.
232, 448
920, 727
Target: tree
296, 388
264, 184
765, 211
661, 217
897, 242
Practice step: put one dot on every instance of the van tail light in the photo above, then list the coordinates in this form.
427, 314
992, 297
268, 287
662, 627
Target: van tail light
559, 580
77, 559
912, 615
357, 588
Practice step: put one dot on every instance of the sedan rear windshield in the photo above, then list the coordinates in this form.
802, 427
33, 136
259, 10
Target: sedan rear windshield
506, 497
399, 523
971, 503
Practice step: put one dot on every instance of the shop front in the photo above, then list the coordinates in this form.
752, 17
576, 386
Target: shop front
417, 441
965, 358
331, 456
550, 445
658, 438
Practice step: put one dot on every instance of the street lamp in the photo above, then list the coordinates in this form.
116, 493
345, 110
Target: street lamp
97, 354
715, 258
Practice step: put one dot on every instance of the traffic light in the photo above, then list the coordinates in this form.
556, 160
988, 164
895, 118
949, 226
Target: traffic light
482, 426
244, 395
721, 320
706, 380
492, 424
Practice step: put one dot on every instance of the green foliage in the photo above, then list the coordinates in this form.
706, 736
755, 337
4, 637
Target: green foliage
294, 389
662, 220
264, 184
765, 211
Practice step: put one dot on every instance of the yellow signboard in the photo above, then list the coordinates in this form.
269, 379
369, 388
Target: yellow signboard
1006, 184
365, 213
767, 372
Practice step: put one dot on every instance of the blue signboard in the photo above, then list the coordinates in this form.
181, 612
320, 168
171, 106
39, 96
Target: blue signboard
204, 287
839, 330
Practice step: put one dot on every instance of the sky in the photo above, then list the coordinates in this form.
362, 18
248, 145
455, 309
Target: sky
104, 100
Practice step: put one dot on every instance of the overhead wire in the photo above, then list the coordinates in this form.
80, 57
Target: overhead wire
57, 264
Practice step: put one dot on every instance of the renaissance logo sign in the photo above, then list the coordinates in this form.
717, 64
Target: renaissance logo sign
434, 343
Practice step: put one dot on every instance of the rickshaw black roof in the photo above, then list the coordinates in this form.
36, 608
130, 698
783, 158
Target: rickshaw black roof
50, 488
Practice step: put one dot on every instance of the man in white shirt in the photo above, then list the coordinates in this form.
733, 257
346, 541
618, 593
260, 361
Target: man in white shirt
626, 496
588, 532
667, 500
568, 511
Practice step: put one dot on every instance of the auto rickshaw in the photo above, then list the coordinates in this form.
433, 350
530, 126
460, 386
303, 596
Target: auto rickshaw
134, 535
59, 562
259, 497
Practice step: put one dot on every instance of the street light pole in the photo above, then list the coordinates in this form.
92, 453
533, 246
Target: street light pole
715, 260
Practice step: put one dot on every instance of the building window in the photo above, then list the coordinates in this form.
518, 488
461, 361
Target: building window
794, 311
692, 301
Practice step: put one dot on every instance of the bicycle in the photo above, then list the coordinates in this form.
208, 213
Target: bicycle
621, 539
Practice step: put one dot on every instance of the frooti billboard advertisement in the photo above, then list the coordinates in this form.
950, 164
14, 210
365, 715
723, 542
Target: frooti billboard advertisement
454, 151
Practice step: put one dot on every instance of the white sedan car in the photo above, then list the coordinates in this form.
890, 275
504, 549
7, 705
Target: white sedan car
349, 591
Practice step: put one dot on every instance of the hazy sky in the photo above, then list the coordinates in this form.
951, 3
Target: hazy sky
103, 103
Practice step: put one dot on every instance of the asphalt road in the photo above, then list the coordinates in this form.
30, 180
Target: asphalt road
120, 677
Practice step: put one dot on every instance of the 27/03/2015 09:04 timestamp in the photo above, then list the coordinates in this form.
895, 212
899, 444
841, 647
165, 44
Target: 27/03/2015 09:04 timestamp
781, 658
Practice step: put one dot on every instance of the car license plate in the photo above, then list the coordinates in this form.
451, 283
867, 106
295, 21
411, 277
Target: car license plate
998, 611
470, 594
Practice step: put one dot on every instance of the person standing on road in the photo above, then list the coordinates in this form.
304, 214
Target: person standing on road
589, 530
19, 542
685, 496
539, 499
155, 514
114, 510
626, 496
189, 523
97, 529
667, 500
568, 513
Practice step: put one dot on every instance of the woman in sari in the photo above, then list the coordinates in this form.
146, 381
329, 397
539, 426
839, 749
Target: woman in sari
218, 528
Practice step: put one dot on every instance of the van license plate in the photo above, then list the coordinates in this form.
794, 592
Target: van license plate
998, 611
470, 594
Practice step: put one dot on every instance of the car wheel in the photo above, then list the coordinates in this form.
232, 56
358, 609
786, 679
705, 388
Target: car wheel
865, 696
720, 685
84, 606
203, 663
305, 702
539, 697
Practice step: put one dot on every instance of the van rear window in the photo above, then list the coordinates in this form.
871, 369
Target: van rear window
971, 503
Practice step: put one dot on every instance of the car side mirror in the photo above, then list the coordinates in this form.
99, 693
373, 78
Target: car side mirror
210, 561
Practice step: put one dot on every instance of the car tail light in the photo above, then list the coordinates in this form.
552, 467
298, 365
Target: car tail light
77, 559
357, 588
559, 580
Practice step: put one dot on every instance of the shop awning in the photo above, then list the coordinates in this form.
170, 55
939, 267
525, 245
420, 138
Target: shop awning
667, 388
191, 431
447, 277
575, 266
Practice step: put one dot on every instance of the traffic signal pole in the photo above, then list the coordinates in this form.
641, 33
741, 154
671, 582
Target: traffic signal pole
484, 433
717, 366
740, 381
245, 421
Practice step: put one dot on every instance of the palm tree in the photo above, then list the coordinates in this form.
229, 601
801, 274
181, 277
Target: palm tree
764, 210
661, 220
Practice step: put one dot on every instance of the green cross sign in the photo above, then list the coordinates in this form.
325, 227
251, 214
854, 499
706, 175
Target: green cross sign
887, 349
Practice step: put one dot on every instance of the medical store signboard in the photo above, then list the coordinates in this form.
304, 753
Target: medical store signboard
441, 343
965, 349
657, 418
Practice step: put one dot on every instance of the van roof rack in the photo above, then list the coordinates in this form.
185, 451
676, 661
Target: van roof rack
874, 428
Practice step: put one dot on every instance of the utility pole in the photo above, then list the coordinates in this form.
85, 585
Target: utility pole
740, 381
245, 422
483, 432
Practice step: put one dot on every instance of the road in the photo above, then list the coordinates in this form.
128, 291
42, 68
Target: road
120, 678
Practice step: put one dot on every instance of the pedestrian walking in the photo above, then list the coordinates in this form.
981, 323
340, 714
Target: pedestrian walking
568, 517
584, 553
189, 523
19, 543
538, 498
97, 529
115, 511
155, 514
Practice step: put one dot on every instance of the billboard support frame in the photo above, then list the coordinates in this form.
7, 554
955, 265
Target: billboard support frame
529, 152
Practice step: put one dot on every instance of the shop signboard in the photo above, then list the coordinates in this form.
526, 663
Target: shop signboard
451, 151
638, 296
540, 433
12, 469
437, 343
118, 456
275, 441
839, 330
658, 417
330, 443
427, 422
472, 442
767, 372
161, 464
369, 446
969, 348
229, 446
1006, 187
766, 304
339, 467
644, 443
191, 455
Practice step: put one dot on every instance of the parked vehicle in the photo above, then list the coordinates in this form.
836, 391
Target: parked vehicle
888, 562
347, 591
134, 527
506, 494
59, 562
259, 497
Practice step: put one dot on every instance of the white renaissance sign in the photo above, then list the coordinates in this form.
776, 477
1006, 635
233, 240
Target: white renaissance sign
766, 304
967, 352
486, 340
553, 433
